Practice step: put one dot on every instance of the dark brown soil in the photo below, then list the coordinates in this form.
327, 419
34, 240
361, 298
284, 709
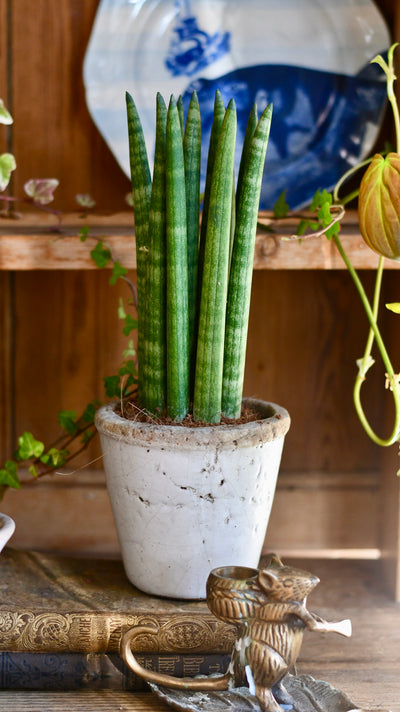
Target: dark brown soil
131, 411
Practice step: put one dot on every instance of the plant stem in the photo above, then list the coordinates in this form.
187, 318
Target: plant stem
391, 77
374, 334
345, 177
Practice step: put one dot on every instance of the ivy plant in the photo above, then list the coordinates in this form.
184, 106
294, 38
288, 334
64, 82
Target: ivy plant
33, 458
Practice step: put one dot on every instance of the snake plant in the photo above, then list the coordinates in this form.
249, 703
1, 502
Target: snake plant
194, 273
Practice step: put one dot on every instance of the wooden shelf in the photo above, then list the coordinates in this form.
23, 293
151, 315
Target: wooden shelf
32, 243
60, 500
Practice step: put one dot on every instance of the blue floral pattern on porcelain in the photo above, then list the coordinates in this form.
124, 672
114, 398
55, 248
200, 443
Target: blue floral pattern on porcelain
192, 48
310, 58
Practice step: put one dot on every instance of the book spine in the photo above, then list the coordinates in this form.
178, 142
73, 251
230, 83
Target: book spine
95, 671
97, 632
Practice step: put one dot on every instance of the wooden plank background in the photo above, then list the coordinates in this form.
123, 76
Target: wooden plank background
59, 332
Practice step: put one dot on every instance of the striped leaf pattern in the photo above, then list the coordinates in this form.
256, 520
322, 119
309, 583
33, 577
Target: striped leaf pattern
242, 268
141, 191
192, 156
154, 356
177, 271
210, 346
194, 292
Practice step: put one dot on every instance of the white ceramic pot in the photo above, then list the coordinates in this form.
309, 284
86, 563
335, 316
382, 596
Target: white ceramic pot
7, 526
187, 500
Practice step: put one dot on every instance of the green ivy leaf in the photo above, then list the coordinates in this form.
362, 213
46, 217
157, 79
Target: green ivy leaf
121, 309
281, 207
333, 230
326, 197
316, 201
324, 214
129, 368
112, 387
33, 470
67, 419
302, 227
117, 272
130, 325
9, 476
129, 352
28, 447
321, 197
100, 255
87, 435
54, 457
130, 381
90, 411
84, 233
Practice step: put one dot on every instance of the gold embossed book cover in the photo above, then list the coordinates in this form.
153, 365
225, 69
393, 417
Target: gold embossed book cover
51, 603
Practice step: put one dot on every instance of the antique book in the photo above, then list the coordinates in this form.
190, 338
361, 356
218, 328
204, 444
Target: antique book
98, 671
50, 603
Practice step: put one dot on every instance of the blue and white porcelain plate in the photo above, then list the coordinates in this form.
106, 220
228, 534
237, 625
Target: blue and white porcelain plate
311, 58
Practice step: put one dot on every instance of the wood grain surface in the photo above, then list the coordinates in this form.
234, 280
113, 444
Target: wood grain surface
59, 332
366, 666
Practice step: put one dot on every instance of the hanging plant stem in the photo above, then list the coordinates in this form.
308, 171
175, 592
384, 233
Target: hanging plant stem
366, 361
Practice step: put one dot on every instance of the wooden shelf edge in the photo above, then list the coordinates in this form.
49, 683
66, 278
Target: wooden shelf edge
33, 243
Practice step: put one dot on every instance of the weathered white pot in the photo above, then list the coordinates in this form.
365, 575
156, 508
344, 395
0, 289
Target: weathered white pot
7, 526
187, 500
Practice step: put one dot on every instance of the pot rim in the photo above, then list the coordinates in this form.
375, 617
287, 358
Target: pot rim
272, 426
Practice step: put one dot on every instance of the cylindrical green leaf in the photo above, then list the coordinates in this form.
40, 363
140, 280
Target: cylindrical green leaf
179, 106
210, 347
177, 272
192, 156
218, 117
153, 368
141, 190
240, 279
250, 128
